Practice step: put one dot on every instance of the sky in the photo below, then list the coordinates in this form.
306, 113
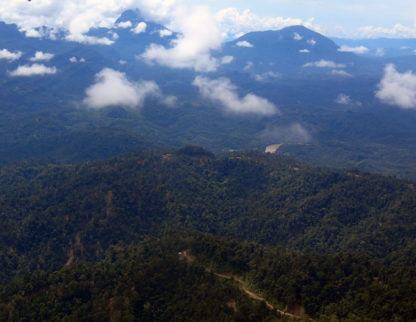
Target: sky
340, 18
349, 14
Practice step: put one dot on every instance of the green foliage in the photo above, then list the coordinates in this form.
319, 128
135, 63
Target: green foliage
52, 215
151, 281
341, 285
343, 241
145, 282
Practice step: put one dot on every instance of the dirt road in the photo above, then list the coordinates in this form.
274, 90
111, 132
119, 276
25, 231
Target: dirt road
243, 285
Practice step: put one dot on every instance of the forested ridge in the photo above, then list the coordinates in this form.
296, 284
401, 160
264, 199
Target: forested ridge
340, 244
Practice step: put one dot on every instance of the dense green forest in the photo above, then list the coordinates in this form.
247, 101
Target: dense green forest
145, 282
150, 281
100, 240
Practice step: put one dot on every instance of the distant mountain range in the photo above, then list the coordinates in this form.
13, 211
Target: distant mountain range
316, 98
295, 51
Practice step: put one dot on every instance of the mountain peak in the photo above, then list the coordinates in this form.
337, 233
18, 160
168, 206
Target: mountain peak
296, 28
300, 32
134, 16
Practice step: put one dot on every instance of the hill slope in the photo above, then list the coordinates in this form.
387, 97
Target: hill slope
324, 242
66, 211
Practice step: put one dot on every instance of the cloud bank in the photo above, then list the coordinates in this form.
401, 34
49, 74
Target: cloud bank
112, 88
294, 133
124, 24
10, 56
397, 88
140, 28
244, 43
33, 70
338, 72
165, 33
221, 91
267, 76
379, 52
76, 16
343, 99
74, 59
234, 22
200, 35
355, 50
296, 36
324, 64
41, 56
397, 31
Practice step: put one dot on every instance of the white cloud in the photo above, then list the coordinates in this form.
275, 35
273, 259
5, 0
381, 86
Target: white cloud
266, 76
169, 101
33, 33
76, 16
248, 66
397, 31
89, 39
355, 50
165, 33
294, 133
236, 36
234, 22
343, 99
200, 35
296, 36
114, 35
112, 88
227, 60
304, 51
10, 56
124, 24
380, 52
140, 28
397, 88
221, 91
33, 70
41, 56
76, 60
122, 62
311, 42
339, 72
244, 43
324, 64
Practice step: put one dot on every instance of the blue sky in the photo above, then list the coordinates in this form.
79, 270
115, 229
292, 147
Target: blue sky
331, 15
352, 13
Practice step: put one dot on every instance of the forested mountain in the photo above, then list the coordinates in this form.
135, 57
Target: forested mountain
134, 187
321, 228
325, 111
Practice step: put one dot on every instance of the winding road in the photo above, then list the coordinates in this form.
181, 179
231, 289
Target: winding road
243, 285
